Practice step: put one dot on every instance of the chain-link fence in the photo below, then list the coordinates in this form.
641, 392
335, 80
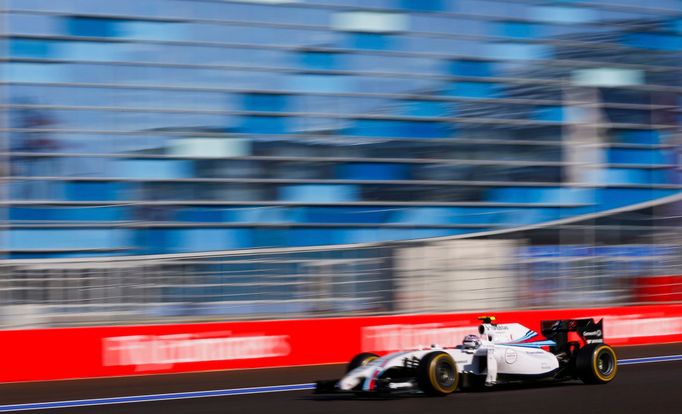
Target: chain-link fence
427, 276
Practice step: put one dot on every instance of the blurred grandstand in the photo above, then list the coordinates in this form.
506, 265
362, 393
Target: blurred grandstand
208, 159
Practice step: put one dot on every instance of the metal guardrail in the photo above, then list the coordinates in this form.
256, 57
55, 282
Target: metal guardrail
256, 284
427, 276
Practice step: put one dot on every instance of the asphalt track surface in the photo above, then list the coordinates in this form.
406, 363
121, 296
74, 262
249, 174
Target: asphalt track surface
641, 388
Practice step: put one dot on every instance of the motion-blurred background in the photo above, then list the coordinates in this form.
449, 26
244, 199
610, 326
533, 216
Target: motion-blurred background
192, 160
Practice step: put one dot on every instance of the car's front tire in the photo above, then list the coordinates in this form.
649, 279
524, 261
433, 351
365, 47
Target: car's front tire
361, 360
437, 374
596, 364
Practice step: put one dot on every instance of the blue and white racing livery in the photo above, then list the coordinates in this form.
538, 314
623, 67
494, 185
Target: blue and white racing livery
499, 353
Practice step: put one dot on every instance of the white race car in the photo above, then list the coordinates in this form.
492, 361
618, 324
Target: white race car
499, 354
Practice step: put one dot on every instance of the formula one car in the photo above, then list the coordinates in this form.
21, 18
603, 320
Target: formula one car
501, 353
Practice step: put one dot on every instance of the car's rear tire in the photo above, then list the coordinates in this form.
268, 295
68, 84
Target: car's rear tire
596, 364
361, 360
437, 374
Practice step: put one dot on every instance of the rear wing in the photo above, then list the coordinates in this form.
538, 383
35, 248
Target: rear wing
589, 331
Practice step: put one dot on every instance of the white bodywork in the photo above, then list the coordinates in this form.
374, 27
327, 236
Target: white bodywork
505, 351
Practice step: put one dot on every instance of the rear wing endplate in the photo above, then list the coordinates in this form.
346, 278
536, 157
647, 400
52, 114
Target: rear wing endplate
557, 330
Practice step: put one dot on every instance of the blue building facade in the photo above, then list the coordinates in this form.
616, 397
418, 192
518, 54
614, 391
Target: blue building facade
167, 126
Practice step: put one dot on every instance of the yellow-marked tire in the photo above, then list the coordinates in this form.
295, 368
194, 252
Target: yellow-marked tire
360, 360
437, 374
596, 364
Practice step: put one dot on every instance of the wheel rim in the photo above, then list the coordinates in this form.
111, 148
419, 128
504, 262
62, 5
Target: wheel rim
368, 360
605, 363
445, 374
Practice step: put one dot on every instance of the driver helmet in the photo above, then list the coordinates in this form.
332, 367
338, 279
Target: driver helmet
471, 341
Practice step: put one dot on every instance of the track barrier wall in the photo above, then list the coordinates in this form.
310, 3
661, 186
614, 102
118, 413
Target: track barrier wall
658, 289
92, 352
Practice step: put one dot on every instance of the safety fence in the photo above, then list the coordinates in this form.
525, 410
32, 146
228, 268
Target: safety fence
420, 277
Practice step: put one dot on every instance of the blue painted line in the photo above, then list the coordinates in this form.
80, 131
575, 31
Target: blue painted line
229, 392
155, 397
650, 360
536, 344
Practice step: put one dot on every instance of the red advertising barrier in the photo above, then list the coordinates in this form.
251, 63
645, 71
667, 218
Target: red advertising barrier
50, 354
658, 289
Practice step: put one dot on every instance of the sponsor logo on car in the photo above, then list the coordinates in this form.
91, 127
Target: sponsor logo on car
510, 356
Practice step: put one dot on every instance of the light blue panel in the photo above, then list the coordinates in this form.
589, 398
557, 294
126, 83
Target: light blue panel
93, 191
478, 215
309, 237
474, 90
154, 241
426, 108
319, 193
319, 83
369, 171
320, 60
412, 234
48, 239
36, 190
548, 113
653, 41
519, 51
20, 256
70, 213
567, 196
632, 176
93, 214
265, 125
265, 214
403, 129
196, 240
363, 215
639, 137
561, 196
559, 14
92, 26
31, 48
639, 156
456, 215
92, 51
423, 5
268, 237
478, 68
370, 41
77, 254
159, 169
33, 72
523, 216
236, 238
677, 25
353, 236
609, 198
517, 30
267, 102
423, 216
377, 235
33, 24
31, 213
146, 30
201, 214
